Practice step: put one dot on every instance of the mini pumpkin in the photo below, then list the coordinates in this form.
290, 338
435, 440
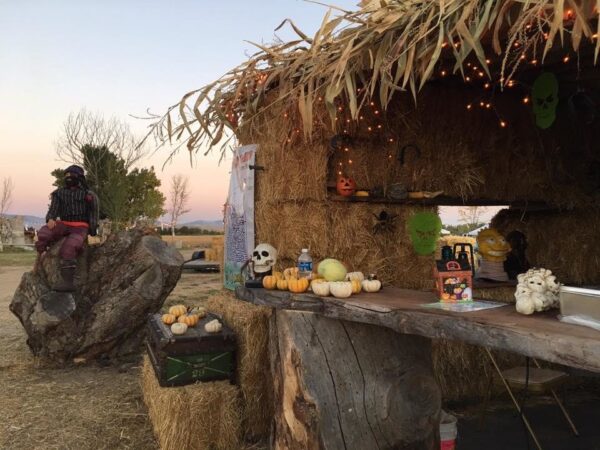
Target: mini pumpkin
189, 319
179, 328
177, 310
214, 326
290, 273
168, 319
270, 282
320, 287
371, 285
277, 275
299, 285
199, 311
356, 286
355, 276
282, 285
341, 289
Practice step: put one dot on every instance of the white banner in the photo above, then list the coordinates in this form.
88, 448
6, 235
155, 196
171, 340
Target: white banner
239, 216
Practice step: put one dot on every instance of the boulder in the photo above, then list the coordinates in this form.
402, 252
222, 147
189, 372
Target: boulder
118, 283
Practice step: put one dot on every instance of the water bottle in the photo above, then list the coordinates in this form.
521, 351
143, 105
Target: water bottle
305, 264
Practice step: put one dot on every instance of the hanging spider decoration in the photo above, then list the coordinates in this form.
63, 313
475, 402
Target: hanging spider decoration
385, 222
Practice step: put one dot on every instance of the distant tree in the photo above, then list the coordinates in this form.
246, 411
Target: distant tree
112, 135
459, 230
5, 202
471, 216
178, 199
124, 197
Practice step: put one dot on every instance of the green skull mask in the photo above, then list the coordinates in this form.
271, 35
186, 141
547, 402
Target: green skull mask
545, 99
424, 229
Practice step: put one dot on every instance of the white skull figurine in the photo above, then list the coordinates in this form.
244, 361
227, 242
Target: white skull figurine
264, 258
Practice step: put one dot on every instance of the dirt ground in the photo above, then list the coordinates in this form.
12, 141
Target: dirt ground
74, 407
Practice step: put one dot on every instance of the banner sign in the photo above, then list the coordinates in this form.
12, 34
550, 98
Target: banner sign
239, 216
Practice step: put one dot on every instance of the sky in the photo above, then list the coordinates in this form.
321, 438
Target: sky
121, 58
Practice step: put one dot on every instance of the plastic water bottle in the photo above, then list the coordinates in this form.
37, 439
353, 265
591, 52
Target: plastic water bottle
305, 264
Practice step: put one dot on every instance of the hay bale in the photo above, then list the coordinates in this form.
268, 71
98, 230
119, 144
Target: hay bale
464, 371
201, 416
251, 325
565, 241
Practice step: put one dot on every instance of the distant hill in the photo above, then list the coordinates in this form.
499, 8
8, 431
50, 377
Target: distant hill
31, 221
215, 225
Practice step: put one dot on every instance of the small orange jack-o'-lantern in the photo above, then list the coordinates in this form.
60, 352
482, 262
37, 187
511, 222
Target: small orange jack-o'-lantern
345, 186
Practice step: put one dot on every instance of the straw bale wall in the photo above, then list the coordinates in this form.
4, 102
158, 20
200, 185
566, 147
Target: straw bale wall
565, 242
464, 153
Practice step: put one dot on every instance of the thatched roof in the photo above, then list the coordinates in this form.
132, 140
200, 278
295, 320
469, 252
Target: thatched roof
387, 46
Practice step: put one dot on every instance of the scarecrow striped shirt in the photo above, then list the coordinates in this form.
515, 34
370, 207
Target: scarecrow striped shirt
74, 205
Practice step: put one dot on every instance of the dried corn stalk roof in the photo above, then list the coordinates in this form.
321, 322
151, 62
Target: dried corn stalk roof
385, 47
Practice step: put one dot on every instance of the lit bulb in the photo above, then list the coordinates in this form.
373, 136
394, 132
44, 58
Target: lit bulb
526, 100
391, 139
443, 73
534, 62
468, 78
370, 128
486, 85
469, 106
349, 161
488, 105
566, 59
503, 124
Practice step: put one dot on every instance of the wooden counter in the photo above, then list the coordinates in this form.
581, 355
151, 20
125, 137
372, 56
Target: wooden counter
541, 335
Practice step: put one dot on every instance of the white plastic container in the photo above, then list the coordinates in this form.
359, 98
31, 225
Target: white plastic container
448, 431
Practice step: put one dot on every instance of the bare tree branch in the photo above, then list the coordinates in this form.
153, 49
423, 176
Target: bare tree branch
179, 197
87, 128
471, 215
5, 202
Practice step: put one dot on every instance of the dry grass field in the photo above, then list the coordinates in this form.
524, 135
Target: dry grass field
74, 407
190, 242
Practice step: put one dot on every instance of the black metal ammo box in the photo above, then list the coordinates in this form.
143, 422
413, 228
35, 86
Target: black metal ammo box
193, 356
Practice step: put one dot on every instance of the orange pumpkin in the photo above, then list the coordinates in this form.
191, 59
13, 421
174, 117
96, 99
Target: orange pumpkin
177, 310
278, 275
282, 285
345, 186
298, 286
270, 282
290, 273
189, 319
356, 286
168, 319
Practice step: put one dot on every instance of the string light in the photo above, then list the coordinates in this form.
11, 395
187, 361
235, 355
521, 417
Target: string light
566, 59
534, 62
525, 100
486, 85
503, 124
443, 73
469, 106
468, 78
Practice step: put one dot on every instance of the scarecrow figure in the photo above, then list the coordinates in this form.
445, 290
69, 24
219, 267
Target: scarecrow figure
73, 214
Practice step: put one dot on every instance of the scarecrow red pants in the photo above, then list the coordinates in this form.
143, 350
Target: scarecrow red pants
72, 245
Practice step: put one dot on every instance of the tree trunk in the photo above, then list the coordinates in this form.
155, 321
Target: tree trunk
346, 385
118, 283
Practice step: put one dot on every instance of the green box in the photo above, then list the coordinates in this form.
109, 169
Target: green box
194, 356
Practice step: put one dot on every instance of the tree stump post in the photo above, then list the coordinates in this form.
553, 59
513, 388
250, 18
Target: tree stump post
347, 385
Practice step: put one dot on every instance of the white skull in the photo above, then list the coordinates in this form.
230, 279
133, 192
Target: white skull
264, 258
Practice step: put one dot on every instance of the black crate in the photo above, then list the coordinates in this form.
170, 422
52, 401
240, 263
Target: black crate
193, 356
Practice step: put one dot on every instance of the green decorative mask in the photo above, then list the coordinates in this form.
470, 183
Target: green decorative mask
424, 229
545, 99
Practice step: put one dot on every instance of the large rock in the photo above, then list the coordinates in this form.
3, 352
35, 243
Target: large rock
117, 284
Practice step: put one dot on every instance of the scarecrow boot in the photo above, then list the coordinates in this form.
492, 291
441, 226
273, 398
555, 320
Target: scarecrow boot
67, 272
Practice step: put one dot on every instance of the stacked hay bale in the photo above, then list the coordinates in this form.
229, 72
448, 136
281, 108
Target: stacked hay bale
251, 326
223, 414
199, 416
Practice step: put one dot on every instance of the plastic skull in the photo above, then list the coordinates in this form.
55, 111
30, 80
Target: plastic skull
545, 99
264, 258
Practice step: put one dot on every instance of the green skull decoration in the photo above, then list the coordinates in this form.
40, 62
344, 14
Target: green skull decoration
545, 99
424, 229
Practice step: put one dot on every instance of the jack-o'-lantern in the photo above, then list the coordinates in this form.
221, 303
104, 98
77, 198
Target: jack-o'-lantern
492, 245
345, 186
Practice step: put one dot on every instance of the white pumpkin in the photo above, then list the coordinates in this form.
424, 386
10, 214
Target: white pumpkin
179, 328
214, 326
320, 288
341, 289
371, 285
359, 276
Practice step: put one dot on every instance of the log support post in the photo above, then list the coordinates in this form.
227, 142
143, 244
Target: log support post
348, 385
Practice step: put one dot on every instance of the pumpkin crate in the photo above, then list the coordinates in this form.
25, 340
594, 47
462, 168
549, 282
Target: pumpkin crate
193, 356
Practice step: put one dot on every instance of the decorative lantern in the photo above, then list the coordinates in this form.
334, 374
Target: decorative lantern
345, 186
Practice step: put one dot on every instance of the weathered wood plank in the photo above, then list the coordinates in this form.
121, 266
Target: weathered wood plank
344, 385
540, 336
